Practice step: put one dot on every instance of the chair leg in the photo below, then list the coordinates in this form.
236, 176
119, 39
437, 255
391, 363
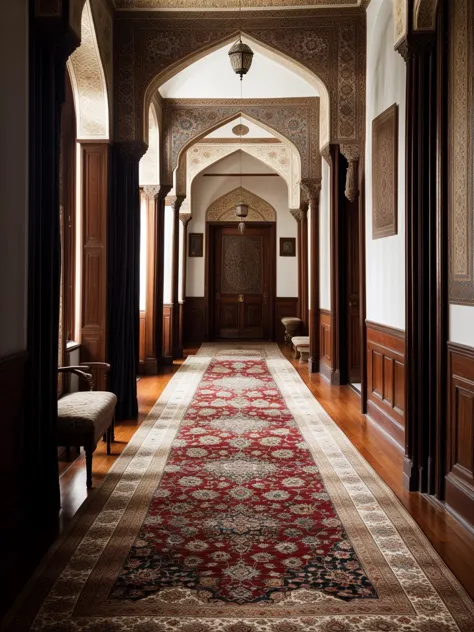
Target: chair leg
109, 438
112, 430
89, 453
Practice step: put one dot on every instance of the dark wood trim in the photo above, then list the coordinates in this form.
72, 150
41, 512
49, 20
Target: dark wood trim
194, 320
95, 159
460, 436
209, 289
313, 316
362, 285
334, 230
303, 266
175, 281
386, 379
167, 355
326, 344
151, 361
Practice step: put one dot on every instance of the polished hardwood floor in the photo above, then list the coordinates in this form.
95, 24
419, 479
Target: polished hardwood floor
454, 543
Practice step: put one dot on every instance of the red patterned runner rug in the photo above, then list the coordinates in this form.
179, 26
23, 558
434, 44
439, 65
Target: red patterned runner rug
239, 506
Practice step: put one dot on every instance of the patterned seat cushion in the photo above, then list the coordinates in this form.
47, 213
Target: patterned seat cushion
291, 320
84, 415
300, 341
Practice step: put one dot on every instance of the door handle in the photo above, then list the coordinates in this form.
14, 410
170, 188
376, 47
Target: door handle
241, 298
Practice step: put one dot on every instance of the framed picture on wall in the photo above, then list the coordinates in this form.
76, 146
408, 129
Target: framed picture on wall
195, 244
384, 173
287, 247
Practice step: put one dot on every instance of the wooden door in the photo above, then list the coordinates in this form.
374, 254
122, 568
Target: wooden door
352, 292
242, 284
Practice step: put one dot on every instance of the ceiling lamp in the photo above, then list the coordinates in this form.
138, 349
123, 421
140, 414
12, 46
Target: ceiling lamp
242, 209
240, 56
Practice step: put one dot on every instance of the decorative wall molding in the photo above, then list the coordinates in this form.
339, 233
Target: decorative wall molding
184, 5
88, 83
186, 121
385, 173
460, 151
223, 209
328, 49
386, 379
460, 435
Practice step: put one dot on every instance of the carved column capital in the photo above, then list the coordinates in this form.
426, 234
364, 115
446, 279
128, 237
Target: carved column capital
150, 191
415, 44
301, 212
350, 152
326, 154
131, 151
175, 202
311, 188
185, 218
352, 155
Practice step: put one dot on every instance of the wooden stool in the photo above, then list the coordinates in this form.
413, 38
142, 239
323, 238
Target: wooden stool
300, 348
292, 325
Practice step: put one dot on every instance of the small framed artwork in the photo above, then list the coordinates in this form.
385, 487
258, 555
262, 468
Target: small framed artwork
287, 247
384, 173
195, 244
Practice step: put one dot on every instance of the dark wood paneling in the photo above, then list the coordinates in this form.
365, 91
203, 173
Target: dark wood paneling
168, 334
386, 379
95, 170
285, 306
460, 432
12, 397
325, 344
194, 320
142, 345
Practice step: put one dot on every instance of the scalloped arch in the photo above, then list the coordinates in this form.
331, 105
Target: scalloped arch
223, 209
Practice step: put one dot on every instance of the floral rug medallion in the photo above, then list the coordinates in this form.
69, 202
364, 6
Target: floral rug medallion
239, 506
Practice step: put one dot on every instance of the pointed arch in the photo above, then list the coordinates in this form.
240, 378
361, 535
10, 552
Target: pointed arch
149, 166
424, 15
324, 117
223, 209
88, 83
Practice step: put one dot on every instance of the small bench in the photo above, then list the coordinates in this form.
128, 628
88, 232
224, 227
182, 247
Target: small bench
292, 325
300, 347
86, 416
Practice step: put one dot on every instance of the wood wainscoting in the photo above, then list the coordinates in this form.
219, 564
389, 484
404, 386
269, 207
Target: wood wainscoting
460, 433
325, 344
386, 379
194, 320
12, 463
285, 306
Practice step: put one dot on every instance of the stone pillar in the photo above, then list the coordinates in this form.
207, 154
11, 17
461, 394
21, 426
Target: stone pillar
300, 216
184, 219
312, 190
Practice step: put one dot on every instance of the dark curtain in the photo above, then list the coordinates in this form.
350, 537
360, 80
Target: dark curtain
49, 49
123, 278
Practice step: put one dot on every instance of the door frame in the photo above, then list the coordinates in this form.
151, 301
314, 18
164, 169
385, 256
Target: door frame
339, 374
209, 276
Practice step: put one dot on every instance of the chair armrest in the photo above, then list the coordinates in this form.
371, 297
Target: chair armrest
100, 365
79, 371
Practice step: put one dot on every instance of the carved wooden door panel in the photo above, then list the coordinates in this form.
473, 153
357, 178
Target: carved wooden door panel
242, 283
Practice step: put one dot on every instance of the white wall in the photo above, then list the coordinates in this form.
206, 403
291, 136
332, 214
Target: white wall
386, 73
325, 239
461, 324
13, 175
272, 189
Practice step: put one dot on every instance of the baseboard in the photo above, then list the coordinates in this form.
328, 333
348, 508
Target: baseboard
326, 371
391, 428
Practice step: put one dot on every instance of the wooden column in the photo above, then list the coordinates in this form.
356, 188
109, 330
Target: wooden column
184, 219
425, 275
300, 216
312, 189
123, 276
160, 198
151, 361
95, 199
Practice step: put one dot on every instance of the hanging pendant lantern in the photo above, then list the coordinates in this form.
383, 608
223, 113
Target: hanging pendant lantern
242, 209
240, 56
241, 227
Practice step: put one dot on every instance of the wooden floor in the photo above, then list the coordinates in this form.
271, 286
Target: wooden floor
451, 540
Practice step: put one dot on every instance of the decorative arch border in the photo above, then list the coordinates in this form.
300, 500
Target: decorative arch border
328, 48
88, 83
276, 155
223, 209
424, 15
186, 121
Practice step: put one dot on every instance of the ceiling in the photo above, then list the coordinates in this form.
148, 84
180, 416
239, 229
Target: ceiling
211, 77
199, 5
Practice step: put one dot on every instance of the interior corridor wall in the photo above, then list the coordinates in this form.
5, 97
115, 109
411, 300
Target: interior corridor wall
272, 188
13, 176
385, 258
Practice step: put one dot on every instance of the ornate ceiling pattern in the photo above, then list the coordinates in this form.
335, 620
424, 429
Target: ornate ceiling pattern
331, 48
185, 121
223, 209
233, 4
